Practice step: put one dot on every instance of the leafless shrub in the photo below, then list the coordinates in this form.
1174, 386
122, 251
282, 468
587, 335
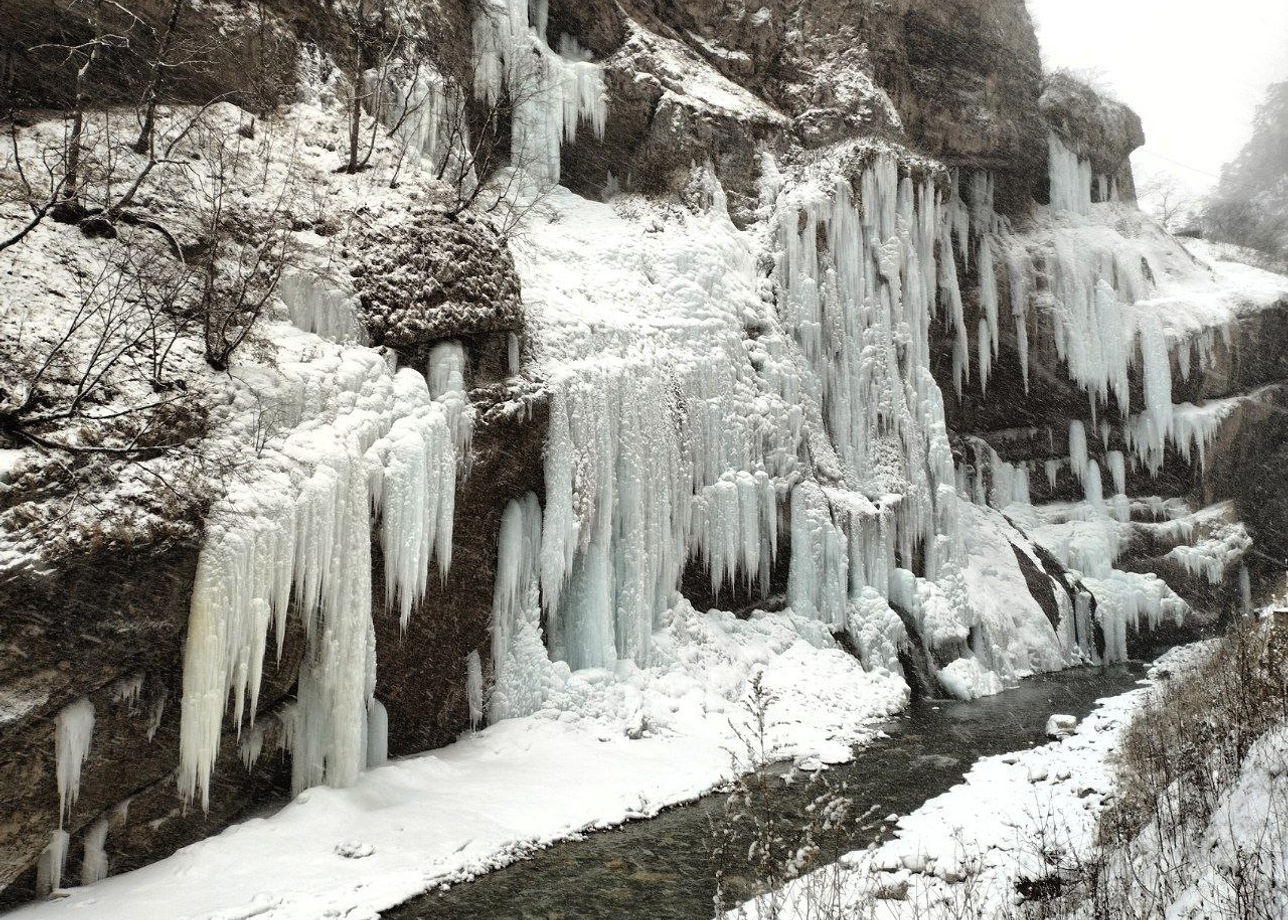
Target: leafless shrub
105, 373
757, 846
244, 252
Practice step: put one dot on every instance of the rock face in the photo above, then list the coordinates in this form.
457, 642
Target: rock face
956, 80
433, 277
689, 82
1100, 129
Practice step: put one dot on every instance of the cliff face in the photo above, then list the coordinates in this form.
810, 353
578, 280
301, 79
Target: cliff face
675, 395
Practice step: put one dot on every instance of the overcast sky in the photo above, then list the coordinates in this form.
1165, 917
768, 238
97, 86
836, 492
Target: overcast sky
1195, 70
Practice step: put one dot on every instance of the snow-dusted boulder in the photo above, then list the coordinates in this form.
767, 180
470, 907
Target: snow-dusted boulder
1059, 726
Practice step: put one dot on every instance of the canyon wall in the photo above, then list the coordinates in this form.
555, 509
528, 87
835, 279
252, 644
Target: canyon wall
897, 318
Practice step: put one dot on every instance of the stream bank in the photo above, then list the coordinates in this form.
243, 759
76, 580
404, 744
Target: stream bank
661, 868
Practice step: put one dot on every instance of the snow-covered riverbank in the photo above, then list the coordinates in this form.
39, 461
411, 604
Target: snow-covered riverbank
961, 854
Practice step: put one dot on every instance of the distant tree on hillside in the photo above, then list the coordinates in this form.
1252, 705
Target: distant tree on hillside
1250, 204
1167, 199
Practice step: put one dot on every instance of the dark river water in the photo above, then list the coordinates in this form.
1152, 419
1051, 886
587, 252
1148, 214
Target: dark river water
662, 868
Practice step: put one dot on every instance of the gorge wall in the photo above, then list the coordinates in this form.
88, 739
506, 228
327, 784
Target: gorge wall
839, 307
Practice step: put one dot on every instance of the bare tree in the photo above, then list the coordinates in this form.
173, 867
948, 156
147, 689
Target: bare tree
245, 254
157, 68
105, 370
1168, 200
379, 37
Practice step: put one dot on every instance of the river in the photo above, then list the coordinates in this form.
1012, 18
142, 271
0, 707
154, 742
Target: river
661, 868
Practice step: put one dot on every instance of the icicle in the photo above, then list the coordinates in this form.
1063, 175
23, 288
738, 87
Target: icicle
1157, 378
1078, 450
53, 859
251, 746
156, 712
323, 306
1070, 178
985, 357
1092, 486
1020, 284
512, 353
377, 734
73, 732
94, 865
1118, 469
474, 687
988, 299
128, 690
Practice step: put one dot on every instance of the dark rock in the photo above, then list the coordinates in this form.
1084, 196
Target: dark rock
1094, 126
420, 676
430, 276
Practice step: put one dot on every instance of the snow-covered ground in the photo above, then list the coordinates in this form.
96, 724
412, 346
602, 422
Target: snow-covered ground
960, 854
480, 803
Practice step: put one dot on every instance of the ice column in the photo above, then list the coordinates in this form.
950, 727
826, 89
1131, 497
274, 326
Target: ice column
1070, 176
377, 734
551, 94
446, 375
53, 859
519, 658
94, 866
73, 732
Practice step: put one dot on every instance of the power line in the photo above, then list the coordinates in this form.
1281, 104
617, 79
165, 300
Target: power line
1202, 172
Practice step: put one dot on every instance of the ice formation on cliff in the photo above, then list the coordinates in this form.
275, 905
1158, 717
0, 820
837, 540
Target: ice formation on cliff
705, 423
716, 395
551, 93
298, 532
73, 733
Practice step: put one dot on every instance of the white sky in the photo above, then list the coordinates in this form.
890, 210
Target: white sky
1195, 70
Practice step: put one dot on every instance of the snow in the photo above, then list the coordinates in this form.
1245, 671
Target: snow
691, 82
656, 738
11, 460
980, 837
966, 679
1061, 726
